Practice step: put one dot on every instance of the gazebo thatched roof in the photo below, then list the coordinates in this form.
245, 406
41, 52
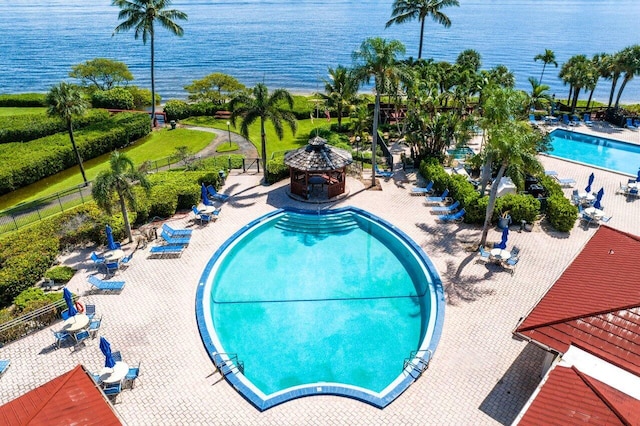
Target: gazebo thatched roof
317, 156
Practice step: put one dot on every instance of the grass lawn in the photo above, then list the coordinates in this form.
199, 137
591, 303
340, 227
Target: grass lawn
289, 141
4, 111
156, 146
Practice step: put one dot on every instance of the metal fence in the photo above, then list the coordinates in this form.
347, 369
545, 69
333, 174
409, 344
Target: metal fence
30, 322
27, 213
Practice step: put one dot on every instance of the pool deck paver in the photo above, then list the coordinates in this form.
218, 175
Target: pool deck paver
479, 375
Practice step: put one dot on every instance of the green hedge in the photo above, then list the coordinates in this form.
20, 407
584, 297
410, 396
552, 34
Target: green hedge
27, 127
27, 100
177, 110
60, 274
561, 213
26, 163
116, 98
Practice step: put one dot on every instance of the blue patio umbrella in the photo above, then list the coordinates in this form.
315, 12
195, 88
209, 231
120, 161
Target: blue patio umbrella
205, 196
68, 298
105, 347
598, 199
588, 188
110, 243
505, 235
638, 178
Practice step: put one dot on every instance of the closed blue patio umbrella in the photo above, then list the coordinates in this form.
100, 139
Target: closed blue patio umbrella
588, 188
110, 243
638, 177
205, 197
105, 347
68, 298
505, 235
598, 199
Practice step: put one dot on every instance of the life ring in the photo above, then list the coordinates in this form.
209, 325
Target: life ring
79, 307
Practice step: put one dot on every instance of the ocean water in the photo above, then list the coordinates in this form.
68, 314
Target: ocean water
291, 43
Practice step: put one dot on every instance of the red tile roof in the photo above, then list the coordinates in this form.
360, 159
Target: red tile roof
70, 399
595, 304
569, 397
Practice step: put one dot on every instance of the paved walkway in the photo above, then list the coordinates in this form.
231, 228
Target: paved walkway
479, 375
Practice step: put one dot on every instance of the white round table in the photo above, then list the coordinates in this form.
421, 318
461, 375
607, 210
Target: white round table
594, 213
75, 323
115, 374
113, 255
500, 254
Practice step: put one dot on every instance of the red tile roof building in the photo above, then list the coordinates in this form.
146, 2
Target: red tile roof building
594, 307
70, 399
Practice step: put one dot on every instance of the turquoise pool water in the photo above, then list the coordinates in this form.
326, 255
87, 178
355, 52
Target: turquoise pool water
308, 299
596, 151
460, 153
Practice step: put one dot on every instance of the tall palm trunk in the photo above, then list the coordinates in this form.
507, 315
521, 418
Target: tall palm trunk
125, 216
75, 149
153, 82
492, 204
624, 83
263, 140
590, 96
542, 73
614, 83
421, 38
486, 173
374, 143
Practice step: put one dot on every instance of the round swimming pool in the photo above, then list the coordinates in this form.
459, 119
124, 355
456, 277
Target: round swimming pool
338, 302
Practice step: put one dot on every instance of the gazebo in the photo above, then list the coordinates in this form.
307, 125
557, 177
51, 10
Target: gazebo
318, 166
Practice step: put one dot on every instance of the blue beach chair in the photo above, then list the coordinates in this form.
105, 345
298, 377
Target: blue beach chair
437, 200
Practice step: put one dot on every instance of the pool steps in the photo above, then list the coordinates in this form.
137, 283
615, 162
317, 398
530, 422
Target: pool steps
320, 224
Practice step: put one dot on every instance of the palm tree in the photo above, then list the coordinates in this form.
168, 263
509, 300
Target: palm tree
259, 104
578, 72
512, 144
119, 180
340, 89
408, 10
630, 64
377, 58
141, 15
548, 57
65, 101
538, 98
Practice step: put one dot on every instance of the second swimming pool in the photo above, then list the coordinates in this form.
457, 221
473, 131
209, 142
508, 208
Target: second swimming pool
596, 151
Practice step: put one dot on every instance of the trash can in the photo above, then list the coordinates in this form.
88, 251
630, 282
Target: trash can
504, 221
222, 176
173, 124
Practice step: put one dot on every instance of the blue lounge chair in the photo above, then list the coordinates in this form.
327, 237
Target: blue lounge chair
630, 125
587, 120
565, 183
216, 195
566, 121
97, 260
101, 285
454, 217
166, 250
436, 200
4, 364
176, 232
175, 241
446, 209
423, 191
94, 327
484, 254
383, 173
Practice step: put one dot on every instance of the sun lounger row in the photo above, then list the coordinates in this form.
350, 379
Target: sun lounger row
437, 200
565, 183
102, 285
423, 191
383, 173
176, 232
179, 240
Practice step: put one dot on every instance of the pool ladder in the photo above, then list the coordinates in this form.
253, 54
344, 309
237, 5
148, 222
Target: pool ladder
230, 365
418, 364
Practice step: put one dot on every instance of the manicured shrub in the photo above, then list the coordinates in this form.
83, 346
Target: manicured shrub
25, 300
60, 274
27, 127
277, 170
219, 162
141, 97
561, 213
24, 164
176, 110
163, 202
116, 98
520, 207
27, 100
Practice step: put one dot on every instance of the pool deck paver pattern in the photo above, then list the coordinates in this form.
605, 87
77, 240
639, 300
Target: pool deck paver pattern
479, 374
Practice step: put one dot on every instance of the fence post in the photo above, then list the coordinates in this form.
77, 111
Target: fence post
59, 201
244, 168
14, 221
258, 162
81, 197
38, 211
229, 162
